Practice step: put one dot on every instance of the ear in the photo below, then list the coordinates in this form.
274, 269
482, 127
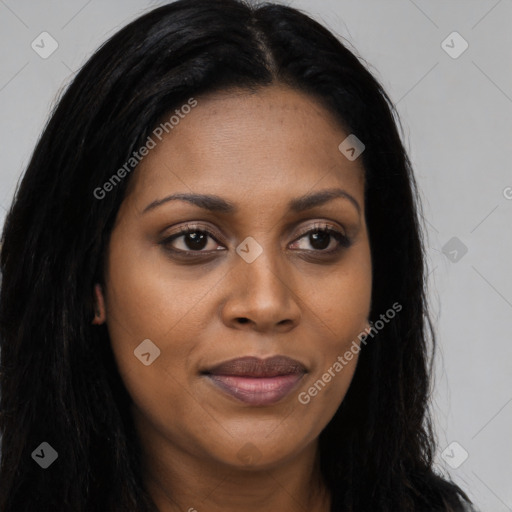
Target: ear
99, 306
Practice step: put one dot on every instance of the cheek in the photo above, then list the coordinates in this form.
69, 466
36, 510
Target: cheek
341, 300
327, 385
147, 296
340, 307
142, 305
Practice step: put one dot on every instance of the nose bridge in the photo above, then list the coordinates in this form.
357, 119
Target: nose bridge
261, 268
261, 292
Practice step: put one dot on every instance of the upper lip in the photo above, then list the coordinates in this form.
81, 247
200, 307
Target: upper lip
255, 367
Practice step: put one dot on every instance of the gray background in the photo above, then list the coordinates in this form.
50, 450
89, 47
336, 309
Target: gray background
456, 116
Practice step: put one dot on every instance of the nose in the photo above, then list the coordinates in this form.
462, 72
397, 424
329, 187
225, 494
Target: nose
261, 296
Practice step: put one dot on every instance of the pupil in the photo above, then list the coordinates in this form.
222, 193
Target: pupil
196, 240
320, 240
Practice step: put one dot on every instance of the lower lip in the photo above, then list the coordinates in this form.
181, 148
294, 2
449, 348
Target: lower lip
257, 390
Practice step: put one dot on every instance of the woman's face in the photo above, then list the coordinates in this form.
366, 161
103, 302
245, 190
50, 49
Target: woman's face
260, 283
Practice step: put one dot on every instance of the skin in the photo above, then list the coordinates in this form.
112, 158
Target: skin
257, 150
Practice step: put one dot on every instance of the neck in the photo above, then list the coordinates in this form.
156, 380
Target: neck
179, 481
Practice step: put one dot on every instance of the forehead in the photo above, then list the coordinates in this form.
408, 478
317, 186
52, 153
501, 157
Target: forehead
275, 141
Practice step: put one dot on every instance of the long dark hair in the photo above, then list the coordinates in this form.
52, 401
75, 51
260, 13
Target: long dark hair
59, 381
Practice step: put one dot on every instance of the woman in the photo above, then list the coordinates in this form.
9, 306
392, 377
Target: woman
213, 290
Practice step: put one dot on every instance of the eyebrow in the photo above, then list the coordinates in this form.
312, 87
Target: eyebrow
217, 204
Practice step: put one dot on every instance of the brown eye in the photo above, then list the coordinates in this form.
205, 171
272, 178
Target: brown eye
322, 239
191, 239
195, 240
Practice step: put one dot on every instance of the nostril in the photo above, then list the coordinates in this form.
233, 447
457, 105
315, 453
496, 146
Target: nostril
243, 320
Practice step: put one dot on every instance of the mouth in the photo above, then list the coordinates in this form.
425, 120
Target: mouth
257, 381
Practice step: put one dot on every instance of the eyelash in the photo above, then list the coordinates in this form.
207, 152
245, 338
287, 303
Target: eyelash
343, 241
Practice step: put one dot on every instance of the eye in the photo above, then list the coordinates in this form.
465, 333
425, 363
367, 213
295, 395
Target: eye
191, 239
194, 240
323, 239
